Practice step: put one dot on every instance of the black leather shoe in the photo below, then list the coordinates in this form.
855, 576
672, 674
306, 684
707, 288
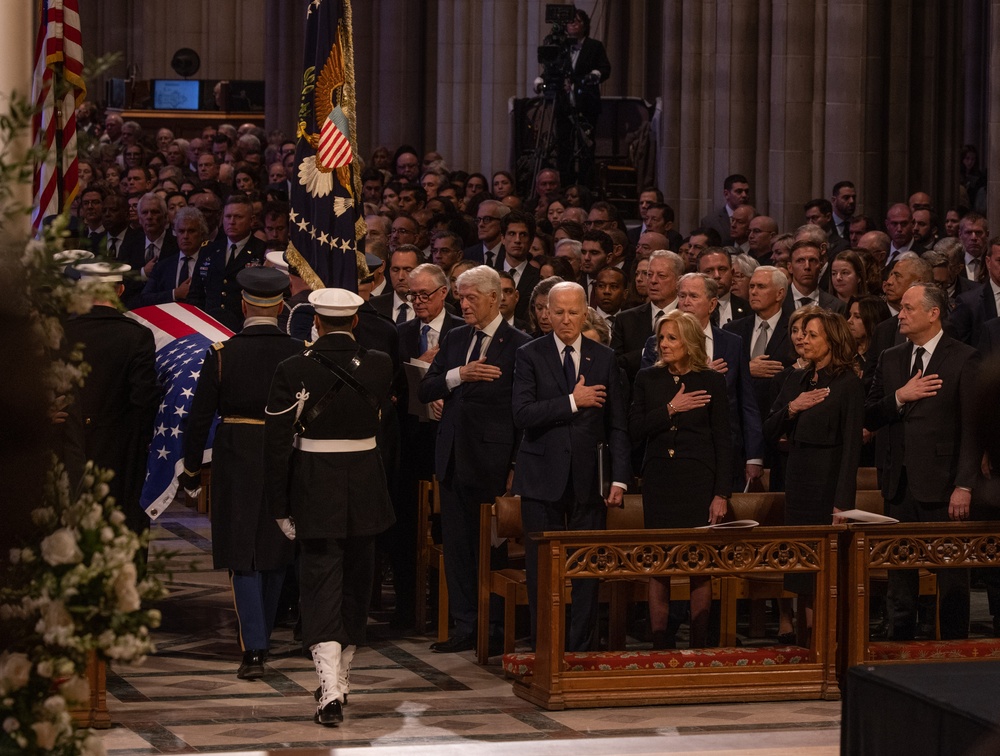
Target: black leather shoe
330, 715
318, 694
252, 667
454, 644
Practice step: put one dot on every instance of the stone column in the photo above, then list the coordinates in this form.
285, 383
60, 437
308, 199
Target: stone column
17, 55
283, 62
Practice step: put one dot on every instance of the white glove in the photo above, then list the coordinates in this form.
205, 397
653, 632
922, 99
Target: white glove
194, 493
287, 526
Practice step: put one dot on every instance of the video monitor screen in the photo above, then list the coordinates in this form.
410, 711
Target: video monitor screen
175, 94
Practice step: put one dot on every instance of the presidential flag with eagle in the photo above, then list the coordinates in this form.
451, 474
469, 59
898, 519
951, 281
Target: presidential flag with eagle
325, 222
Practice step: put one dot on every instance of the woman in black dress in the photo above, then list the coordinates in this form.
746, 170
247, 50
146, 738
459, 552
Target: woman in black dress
863, 315
680, 410
820, 411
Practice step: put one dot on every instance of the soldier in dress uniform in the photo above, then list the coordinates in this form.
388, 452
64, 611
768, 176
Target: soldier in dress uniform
120, 394
324, 480
234, 382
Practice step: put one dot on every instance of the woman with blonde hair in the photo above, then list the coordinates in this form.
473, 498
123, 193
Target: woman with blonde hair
681, 412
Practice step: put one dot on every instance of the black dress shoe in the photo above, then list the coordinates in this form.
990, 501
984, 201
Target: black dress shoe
330, 715
454, 644
252, 667
318, 694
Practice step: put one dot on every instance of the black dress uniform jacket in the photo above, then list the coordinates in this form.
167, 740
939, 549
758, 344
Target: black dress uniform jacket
234, 382
329, 495
118, 401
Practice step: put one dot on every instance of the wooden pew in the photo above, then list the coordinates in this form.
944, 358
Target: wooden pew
554, 679
430, 555
867, 549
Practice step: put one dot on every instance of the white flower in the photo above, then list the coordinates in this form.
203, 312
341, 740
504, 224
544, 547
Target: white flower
15, 556
45, 735
107, 534
43, 516
92, 746
44, 668
15, 670
56, 623
55, 704
76, 689
125, 591
93, 517
27, 555
10, 725
61, 548
116, 517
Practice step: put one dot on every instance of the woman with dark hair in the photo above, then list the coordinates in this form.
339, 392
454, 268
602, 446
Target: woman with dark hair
542, 246
971, 180
475, 184
681, 413
134, 156
579, 195
637, 294
246, 179
538, 306
848, 275
560, 267
819, 412
503, 184
864, 314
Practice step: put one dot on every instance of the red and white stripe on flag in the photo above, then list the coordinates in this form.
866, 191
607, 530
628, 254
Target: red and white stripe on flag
334, 148
174, 320
58, 50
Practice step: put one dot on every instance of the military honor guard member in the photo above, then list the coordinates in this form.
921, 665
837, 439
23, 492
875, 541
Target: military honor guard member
234, 383
325, 482
120, 394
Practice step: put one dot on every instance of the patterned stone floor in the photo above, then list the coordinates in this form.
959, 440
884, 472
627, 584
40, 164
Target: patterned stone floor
187, 699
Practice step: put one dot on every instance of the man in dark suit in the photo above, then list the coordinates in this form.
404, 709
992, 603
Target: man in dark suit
234, 383
240, 249
419, 339
488, 249
635, 325
156, 243
736, 190
324, 482
922, 399
393, 304
697, 295
173, 278
973, 231
568, 400
119, 397
766, 345
716, 263
974, 308
518, 233
948, 269
473, 374
899, 226
805, 265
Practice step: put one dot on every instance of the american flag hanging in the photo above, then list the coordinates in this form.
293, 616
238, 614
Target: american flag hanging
57, 88
183, 335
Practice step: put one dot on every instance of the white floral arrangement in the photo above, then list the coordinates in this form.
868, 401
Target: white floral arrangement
74, 591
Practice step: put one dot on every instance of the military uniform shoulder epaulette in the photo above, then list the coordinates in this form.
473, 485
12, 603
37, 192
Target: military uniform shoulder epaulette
218, 345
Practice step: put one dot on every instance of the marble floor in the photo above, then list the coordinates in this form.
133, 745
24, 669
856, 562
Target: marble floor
186, 698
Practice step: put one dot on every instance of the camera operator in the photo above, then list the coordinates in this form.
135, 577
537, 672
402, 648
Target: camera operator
573, 66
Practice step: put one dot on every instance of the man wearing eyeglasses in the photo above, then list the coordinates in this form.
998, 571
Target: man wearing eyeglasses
418, 339
490, 232
404, 230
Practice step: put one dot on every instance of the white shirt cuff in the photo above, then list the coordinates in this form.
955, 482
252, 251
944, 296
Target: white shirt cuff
572, 404
758, 462
453, 379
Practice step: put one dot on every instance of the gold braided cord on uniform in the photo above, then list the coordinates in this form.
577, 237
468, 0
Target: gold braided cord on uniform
306, 273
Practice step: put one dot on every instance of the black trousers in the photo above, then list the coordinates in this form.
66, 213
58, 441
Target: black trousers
904, 585
335, 585
565, 514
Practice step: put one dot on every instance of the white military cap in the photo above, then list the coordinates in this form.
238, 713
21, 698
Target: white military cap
103, 272
335, 303
71, 256
276, 257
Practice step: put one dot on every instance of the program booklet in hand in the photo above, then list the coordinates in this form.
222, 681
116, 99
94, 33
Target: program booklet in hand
860, 515
731, 525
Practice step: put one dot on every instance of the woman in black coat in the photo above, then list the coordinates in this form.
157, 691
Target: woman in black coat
820, 411
680, 410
